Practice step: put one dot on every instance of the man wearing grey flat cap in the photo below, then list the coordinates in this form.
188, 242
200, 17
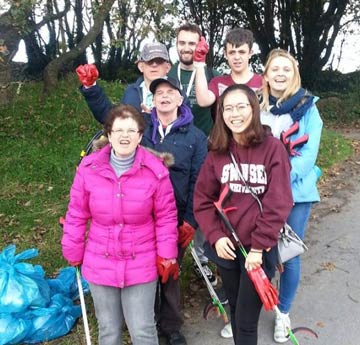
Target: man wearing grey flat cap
153, 62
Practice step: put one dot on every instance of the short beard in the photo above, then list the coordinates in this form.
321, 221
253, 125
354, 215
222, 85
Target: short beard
187, 62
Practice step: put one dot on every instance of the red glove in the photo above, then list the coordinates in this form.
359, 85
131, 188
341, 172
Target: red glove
75, 263
201, 50
266, 291
186, 234
167, 268
87, 74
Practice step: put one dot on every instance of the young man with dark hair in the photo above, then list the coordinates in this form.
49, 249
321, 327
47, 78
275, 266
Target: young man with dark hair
238, 45
188, 36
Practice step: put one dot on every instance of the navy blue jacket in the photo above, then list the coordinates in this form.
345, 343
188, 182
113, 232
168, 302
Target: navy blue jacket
99, 104
133, 95
97, 101
188, 145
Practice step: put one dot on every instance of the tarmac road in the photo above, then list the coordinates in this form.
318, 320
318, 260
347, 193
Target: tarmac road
328, 299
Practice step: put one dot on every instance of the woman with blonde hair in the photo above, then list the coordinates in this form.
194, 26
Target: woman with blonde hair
292, 114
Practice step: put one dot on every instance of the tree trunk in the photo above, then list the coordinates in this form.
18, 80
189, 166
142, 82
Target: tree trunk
52, 70
9, 42
37, 60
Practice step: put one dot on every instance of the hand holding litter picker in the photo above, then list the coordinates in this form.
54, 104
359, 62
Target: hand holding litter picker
266, 291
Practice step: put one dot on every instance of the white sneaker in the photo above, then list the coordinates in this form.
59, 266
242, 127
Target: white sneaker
282, 324
226, 332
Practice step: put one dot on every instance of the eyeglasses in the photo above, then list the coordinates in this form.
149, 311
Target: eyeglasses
130, 132
240, 107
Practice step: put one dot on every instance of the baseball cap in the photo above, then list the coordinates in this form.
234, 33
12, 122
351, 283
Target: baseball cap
171, 81
152, 51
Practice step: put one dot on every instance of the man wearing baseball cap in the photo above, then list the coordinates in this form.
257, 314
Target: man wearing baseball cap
152, 51
153, 62
171, 130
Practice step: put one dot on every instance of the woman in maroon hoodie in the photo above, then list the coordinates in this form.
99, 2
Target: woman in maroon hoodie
264, 164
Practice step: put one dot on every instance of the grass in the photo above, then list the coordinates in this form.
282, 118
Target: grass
334, 148
42, 141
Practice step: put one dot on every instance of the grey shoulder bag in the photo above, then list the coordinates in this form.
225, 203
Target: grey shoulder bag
289, 243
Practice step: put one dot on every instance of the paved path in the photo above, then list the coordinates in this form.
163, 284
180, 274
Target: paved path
328, 299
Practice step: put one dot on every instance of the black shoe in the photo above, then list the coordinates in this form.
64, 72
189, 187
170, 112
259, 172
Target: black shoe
212, 278
222, 296
176, 338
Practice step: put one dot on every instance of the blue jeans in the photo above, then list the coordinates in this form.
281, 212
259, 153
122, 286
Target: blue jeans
134, 304
290, 278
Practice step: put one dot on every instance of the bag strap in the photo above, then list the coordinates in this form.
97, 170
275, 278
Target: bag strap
279, 265
251, 190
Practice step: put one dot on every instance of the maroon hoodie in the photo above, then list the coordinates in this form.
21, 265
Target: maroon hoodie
266, 169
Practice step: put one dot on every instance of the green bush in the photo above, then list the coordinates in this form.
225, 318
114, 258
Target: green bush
339, 97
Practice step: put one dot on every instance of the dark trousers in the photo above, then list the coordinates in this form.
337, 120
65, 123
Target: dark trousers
168, 303
245, 304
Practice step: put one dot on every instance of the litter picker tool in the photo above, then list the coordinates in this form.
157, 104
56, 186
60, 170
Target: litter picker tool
266, 291
215, 302
83, 306
290, 145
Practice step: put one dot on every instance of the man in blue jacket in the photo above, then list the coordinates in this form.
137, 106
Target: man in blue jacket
171, 129
153, 63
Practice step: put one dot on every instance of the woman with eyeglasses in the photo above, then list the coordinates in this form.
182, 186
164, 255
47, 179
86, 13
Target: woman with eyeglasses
125, 195
264, 165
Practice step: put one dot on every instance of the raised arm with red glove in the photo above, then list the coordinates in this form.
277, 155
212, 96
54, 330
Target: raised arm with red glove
266, 291
201, 50
186, 234
87, 74
167, 268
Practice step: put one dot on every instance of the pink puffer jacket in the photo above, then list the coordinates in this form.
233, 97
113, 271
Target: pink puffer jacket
132, 220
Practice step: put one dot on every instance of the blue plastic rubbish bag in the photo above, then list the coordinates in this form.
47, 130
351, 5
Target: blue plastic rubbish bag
65, 284
21, 284
52, 322
12, 329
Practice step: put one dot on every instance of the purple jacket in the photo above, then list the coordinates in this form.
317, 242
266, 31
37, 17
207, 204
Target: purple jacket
132, 218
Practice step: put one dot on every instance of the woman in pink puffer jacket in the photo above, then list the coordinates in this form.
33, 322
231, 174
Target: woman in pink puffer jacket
125, 193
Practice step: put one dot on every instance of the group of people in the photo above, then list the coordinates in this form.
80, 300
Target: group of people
149, 189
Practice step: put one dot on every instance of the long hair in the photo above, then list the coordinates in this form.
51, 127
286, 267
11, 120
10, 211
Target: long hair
221, 134
292, 88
